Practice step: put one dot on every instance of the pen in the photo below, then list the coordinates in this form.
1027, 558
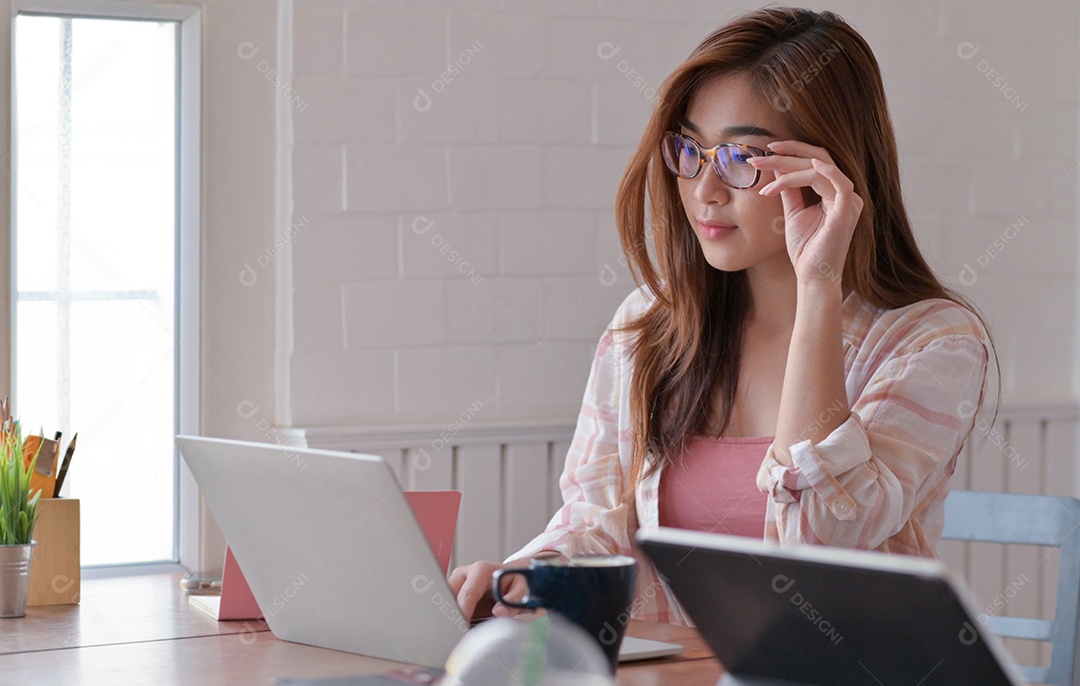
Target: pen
62, 474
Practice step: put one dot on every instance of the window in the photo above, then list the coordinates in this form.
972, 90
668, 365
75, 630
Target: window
104, 245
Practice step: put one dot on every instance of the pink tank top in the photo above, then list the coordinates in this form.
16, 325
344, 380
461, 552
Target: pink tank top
714, 487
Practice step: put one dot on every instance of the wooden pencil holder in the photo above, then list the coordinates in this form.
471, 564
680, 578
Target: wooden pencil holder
54, 571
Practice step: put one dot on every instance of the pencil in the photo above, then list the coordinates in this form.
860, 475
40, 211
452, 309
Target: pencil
62, 474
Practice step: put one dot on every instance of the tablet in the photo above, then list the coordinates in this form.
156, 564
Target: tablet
814, 615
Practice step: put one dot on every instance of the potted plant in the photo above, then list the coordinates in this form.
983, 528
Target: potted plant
18, 513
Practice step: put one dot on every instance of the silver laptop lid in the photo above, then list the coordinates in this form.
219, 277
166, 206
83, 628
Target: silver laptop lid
330, 548
813, 615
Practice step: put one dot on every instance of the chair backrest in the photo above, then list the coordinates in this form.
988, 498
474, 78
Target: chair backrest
1035, 520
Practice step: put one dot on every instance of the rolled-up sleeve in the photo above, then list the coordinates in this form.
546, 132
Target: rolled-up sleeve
862, 484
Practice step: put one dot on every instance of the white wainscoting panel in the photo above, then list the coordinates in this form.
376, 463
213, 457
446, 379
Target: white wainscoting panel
508, 475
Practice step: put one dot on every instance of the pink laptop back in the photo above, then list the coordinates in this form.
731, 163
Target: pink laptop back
437, 512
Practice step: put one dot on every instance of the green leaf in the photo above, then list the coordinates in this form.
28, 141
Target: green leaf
18, 507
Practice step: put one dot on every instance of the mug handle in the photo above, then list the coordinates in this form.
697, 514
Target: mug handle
496, 590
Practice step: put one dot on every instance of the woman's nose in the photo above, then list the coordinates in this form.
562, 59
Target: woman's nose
709, 189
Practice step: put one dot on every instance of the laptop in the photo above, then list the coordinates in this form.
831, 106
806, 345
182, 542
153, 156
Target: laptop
333, 553
330, 548
809, 616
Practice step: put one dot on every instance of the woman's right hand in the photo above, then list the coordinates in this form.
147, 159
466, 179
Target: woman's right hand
472, 586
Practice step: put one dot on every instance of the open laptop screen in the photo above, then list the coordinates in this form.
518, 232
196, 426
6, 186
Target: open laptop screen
814, 615
330, 547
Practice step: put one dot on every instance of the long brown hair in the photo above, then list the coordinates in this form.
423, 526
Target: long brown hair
820, 74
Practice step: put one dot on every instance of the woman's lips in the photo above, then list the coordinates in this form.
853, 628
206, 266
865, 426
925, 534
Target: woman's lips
715, 231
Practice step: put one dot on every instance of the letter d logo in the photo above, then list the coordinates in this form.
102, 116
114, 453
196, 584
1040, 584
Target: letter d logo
421, 225
422, 461
246, 51
782, 101
248, 277
422, 101
967, 635
608, 277
608, 635
966, 408
61, 583
966, 50
968, 276
606, 50
246, 409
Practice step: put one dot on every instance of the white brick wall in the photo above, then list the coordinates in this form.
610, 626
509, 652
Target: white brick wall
495, 310
458, 161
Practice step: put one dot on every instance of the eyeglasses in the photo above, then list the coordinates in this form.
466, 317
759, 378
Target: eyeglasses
685, 157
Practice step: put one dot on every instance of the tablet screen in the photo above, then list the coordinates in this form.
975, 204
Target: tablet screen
819, 623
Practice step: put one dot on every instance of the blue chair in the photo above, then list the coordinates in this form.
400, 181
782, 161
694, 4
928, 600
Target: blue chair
1034, 520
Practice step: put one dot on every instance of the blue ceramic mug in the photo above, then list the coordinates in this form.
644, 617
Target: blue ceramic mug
593, 591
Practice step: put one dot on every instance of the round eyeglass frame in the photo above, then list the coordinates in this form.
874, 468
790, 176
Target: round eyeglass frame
711, 153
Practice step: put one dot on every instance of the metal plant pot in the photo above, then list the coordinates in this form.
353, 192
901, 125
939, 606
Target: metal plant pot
15, 578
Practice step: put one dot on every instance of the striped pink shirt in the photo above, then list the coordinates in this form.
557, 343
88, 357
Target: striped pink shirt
713, 487
914, 376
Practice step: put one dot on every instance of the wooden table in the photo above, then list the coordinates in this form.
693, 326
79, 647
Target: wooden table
141, 630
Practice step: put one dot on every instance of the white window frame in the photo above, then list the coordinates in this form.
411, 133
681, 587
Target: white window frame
188, 334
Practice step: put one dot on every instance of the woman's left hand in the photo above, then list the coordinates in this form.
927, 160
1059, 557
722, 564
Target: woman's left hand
818, 235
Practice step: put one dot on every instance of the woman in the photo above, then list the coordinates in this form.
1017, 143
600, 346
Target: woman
790, 367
